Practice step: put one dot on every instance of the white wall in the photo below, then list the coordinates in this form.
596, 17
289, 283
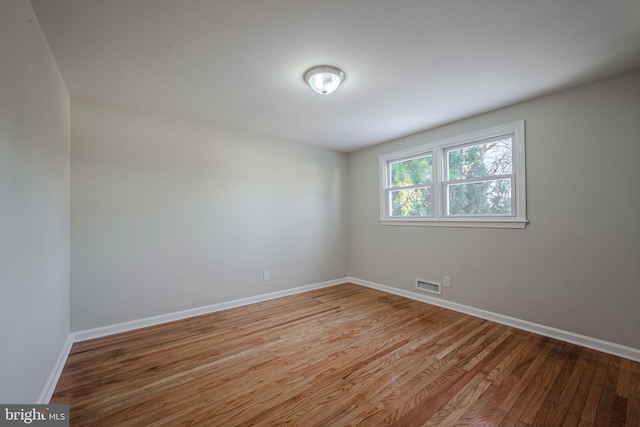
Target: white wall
34, 206
169, 214
576, 266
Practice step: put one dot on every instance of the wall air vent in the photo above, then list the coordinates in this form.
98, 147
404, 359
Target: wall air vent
429, 286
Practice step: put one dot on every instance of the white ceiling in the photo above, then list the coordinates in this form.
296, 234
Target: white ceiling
410, 64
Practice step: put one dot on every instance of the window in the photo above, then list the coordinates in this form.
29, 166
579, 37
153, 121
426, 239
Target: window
411, 192
476, 180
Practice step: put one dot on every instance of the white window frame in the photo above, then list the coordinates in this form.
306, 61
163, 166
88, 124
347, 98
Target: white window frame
438, 150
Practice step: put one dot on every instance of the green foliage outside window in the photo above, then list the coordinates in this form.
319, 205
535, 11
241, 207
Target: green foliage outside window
412, 201
489, 197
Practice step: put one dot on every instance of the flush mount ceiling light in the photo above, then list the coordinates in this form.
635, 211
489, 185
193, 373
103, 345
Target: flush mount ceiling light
324, 79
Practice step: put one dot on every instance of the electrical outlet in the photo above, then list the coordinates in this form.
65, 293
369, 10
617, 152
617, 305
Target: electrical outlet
446, 282
265, 275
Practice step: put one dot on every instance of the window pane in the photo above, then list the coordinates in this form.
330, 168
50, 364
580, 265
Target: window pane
413, 202
484, 159
480, 198
412, 172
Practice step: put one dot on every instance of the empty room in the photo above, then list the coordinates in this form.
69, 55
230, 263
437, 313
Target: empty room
288, 212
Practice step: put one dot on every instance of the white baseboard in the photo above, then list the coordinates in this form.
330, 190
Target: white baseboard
582, 340
104, 331
54, 376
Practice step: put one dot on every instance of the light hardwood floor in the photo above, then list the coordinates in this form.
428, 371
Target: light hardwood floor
345, 355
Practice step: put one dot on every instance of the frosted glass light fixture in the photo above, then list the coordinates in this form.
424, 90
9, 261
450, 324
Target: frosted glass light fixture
324, 79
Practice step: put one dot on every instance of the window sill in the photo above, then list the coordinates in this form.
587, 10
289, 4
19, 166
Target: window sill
492, 223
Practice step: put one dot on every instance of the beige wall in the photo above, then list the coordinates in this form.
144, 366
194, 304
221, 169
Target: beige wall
34, 206
577, 264
169, 214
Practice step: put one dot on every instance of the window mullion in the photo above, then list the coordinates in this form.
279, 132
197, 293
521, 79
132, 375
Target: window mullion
437, 182
480, 179
410, 187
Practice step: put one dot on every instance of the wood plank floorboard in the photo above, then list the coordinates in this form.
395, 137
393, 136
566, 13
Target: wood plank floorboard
344, 356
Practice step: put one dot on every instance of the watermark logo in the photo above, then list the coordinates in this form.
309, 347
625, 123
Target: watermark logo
34, 415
